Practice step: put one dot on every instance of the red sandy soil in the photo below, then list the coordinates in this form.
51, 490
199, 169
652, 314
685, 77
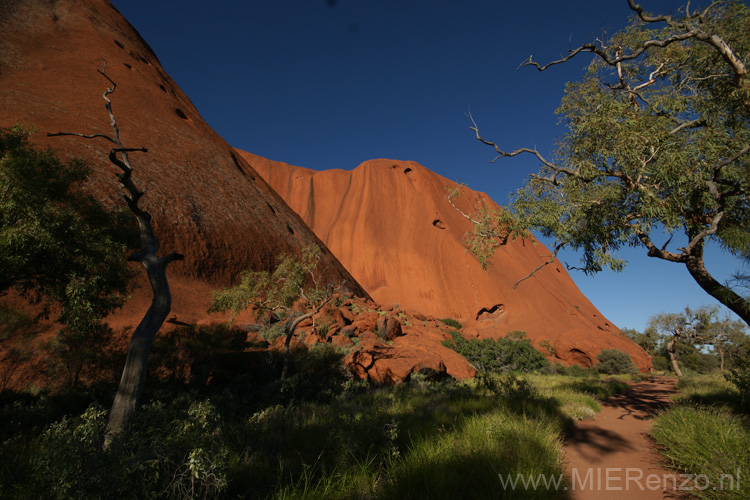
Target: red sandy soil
392, 226
617, 443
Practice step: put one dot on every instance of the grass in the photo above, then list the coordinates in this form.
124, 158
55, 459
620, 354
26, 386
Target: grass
704, 435
343, 440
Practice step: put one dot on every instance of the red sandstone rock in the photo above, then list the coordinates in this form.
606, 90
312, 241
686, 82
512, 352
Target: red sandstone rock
207, 202
427, 267
389, 327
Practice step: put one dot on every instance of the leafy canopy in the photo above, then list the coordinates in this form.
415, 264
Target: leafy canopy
657, 149
293, 278
58, 244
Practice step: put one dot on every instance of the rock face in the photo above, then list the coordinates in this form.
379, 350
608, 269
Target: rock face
391, 224
207, 202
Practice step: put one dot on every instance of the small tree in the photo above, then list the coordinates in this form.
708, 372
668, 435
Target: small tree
275, 295
58, 245
688, 328
658, 142
724, 336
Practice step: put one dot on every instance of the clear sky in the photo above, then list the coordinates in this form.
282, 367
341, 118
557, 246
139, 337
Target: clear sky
329, 84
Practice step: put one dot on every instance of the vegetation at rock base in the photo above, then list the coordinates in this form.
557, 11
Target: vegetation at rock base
453, 323
275, 294
236, 430
501, 355
656, 153
614, 362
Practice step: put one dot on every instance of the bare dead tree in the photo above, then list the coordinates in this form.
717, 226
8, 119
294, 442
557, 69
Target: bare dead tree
134, 373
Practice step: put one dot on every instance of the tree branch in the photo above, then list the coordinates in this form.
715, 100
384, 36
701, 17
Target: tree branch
85, 136
714, 40
654, 251
552, 258
502, 154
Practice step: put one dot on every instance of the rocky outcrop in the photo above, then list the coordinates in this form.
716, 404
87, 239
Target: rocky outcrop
387, 345
391, 224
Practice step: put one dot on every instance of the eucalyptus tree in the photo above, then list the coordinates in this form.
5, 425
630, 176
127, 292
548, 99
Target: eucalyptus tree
656, 153
59, 246
274, 296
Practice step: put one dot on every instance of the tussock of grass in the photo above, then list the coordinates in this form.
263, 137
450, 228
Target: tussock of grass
707, 441
712, 390
474, 454
578, 398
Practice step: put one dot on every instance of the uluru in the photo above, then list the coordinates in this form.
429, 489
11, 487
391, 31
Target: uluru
386, 229
392, 225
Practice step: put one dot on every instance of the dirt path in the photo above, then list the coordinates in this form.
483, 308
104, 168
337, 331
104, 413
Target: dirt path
612, 457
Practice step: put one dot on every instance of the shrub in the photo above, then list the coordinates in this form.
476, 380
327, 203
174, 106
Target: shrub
613, 362
739, 376
546, 344
501, 355
452, 323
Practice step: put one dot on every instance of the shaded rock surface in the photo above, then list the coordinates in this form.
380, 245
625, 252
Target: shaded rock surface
426, 267
207, 202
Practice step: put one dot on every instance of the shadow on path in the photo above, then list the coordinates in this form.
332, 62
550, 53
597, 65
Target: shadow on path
613, 456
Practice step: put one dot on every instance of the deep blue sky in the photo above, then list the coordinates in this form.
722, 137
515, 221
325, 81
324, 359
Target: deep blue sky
329, 84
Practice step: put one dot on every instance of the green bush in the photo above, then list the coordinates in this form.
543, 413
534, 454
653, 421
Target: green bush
452, 323
614, 362
501, 355
739, 376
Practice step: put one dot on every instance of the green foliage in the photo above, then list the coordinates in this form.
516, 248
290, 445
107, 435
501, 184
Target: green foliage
501, 355
58, 245
614, 362
711, 442
649, 340
739, 376
546, 344
700, 339
655, 150
453, 323
275, 291
314, 435
76, 354
704, 433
